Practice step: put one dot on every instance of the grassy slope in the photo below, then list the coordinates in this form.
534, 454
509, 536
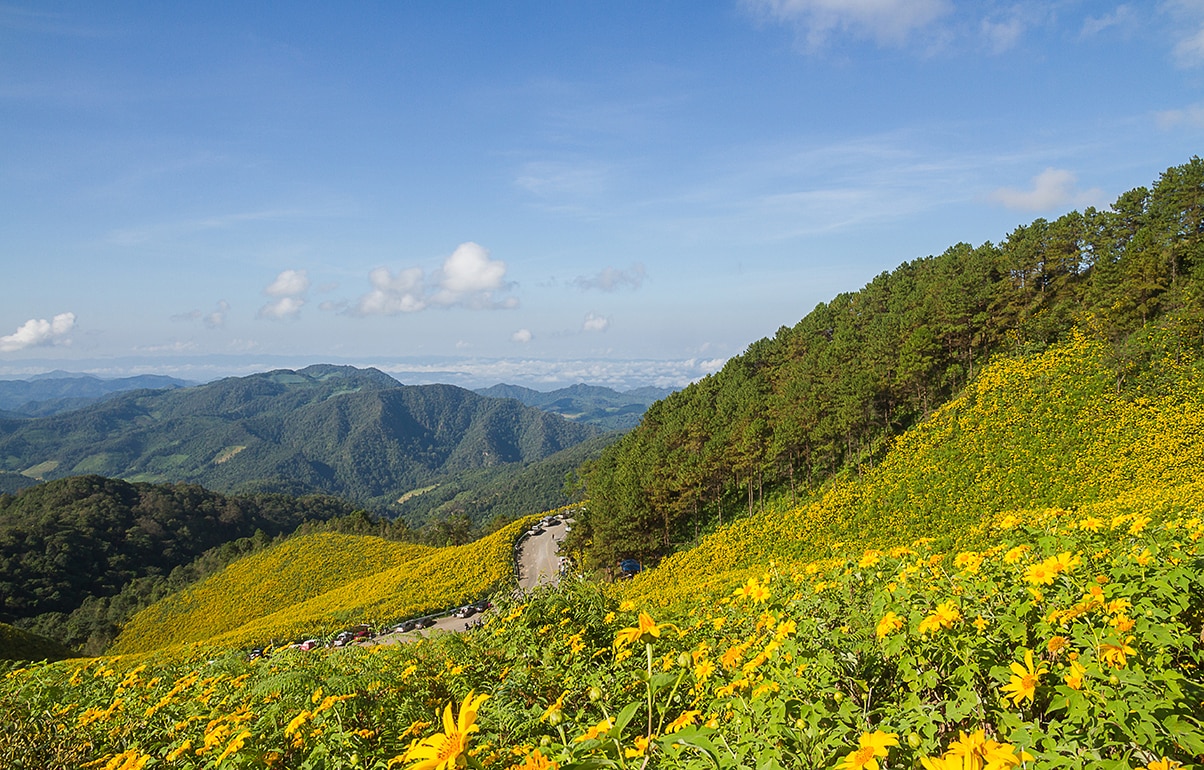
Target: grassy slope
1043, 432
318, 584
16, 644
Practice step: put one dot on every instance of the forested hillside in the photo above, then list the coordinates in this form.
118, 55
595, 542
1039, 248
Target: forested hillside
832, 391
78, 542
354, 433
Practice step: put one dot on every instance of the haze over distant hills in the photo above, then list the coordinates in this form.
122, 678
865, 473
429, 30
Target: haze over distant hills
356, 433
605, 407
54, 392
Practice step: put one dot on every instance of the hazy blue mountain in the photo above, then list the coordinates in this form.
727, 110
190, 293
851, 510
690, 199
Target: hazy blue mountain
356, 433
591, 404
54, 392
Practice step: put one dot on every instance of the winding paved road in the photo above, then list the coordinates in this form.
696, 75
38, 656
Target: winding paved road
538, 564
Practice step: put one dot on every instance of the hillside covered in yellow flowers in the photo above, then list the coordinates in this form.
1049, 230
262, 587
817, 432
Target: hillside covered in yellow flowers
1018, 583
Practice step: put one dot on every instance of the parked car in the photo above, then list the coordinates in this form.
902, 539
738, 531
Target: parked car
310, 644
466, 611
426, 622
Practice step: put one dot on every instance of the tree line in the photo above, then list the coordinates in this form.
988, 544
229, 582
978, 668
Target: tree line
832, 391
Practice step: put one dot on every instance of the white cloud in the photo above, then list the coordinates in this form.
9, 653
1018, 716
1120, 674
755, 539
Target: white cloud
595, 323
1188, 31
393, 294
289, 288
215, 319
522, 335
1192, 117
612, 279
885, 21
1189, 52
1121, 16
282, 309
1002, 35
1053, 188
290, 283
558, 179
39, 331
468, 278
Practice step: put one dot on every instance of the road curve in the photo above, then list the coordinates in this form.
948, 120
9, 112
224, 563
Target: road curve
538, 563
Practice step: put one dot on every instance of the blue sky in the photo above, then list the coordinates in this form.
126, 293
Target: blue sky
622, 193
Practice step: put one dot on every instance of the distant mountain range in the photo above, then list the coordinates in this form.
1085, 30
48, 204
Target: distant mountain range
607, 408
46, 394
355, 433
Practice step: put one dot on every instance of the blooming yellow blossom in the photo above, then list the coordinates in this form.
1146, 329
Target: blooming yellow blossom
888, 625
1023, 684
944, 616
603, 727
537, 761
686, 719
870, 746
1115, 655
645, 631
443, 751
1074, 679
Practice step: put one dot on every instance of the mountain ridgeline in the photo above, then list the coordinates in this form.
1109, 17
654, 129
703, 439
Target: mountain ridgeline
355, 433
604, 407
57, 392
833, 391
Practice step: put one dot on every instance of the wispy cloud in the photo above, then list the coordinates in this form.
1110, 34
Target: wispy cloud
39, 331
214, 319
1188, 31
888, 22
142, 234
1192, 117
1121, 16
1053, 188
612, 279
522, 336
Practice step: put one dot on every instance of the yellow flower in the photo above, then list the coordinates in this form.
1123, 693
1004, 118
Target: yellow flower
685, 720
645, 631
296, 722
980, 623
1074, 680
944, 616
236, 743
605, 726
1040, 574
870, 746
640, 747
703, 670
977, 752
968, 561
555, 707
889, 624
442, 751
869, 558
753, 591
1163, 764
179, 751
1016, 554
537, 761
1023, 684
1115, 654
